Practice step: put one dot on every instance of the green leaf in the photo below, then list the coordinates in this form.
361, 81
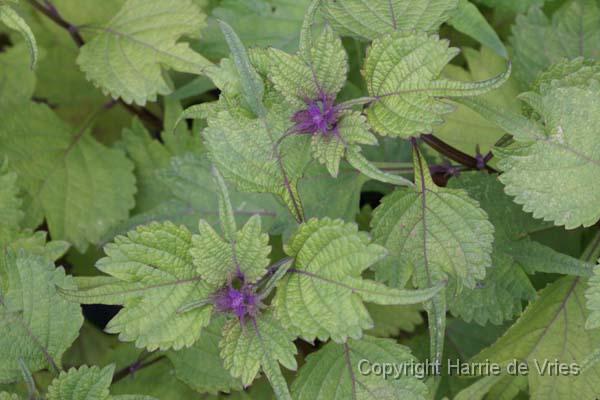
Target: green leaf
468, 19
435, 232
10, 204
358, 161
252, 85
9, 396
499, 296
566, 152
336, 372
245, 349
14, 21
126, 57
538, 42
371, 19
218, 260
201, 367
65, 174
465, 129
279, 22
389, 321
86, 383
15, 78
323, 293
321, 71
152, 276
36, 325
551, 328
406, 94
245, 152
149, 156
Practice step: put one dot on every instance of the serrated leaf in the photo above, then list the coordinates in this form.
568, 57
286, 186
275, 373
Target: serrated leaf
406, 94
336, 372
14, 21
201, 367
244, 150
152, 276
217, 260
36, 325
500, 294
323, 293
65, 174
245, 349
551, 329
435, 232
16, 80
539, 42
126, 57
87, 383
370, 19
567, 152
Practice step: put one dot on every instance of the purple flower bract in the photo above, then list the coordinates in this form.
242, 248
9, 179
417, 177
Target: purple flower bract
243, 302
319, 117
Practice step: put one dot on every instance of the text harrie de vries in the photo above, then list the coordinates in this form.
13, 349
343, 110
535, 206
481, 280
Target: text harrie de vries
456, 367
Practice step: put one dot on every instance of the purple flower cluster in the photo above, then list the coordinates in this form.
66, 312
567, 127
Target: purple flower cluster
319, 117
243, 302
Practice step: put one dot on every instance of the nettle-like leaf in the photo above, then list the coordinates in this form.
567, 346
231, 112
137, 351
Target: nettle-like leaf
402, 71
10, 18
36, 325
499, 296
127, 55
201, 367
552, 328
564, 150
10, 204
18, 81
323, 296
246, 349
538, 42
370, 19
87, 383
432, 233
389, 321
337, 372
152, 276
65, 174
592, 295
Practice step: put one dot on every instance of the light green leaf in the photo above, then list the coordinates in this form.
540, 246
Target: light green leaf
406, 94
552, 328
152, 276
567, 152
245, 152
468, 19
373, 18
125, 59
389, 321
9, 396
538, 42
16, 80
245, 349
358, 161
218, 260
201, 367
435, 232
465, 129
300, 77
66, 175
14, 21
36, 325
87, 383
323, 294
337, 372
